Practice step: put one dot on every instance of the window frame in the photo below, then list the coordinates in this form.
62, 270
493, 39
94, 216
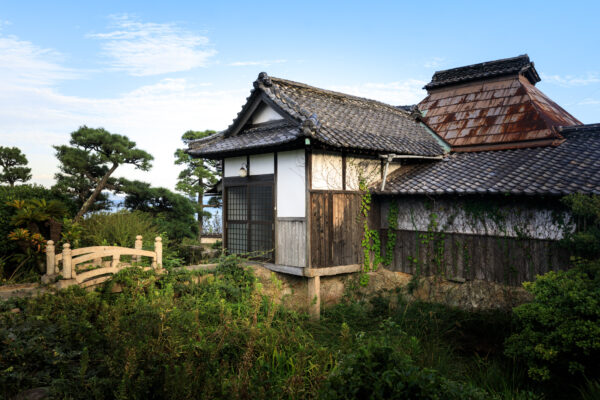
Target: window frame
249, 183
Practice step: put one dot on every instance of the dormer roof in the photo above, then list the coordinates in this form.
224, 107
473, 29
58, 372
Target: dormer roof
493, 105
520, 65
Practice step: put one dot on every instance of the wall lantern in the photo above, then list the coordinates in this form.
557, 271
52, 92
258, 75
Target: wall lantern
243, 171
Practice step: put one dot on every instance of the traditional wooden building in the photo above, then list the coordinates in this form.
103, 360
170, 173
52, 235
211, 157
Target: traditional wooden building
295, 156
292, 162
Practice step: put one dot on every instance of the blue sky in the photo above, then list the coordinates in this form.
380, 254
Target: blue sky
152, 70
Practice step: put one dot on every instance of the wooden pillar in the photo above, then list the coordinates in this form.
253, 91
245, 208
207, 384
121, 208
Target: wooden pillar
138, 246
50, 257
314, 297
66, 260
158, 250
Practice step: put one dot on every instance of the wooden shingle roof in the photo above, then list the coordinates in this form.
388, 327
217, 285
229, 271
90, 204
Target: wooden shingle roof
493, 105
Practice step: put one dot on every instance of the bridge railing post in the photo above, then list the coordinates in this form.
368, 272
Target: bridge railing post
67, 262
138, 246
50, 259
157, 264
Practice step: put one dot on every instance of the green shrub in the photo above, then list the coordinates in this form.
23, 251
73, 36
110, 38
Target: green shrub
118, 229
584, 240
381, 367
163, 337
7, 212
560, 328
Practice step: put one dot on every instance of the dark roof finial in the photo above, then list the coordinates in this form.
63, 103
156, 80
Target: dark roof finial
265, 79
310, 125
416, 113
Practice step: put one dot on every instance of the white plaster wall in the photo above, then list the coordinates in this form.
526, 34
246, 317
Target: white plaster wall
358, 167
264, 113
261, 164
326, 171
291, 184
232, 165
414, 214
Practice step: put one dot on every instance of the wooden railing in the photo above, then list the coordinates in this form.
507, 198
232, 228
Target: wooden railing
87, 266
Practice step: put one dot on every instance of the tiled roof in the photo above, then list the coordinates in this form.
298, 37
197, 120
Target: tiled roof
485, 70
506, 112
271, 136
572, 167
333, 119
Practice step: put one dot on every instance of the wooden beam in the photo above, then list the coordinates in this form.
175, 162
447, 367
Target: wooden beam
314, 297
330, 271
308, 202
343, 171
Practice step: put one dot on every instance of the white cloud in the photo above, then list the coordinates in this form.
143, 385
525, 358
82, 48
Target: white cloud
395, 93
588, 101
143, 49
571, 80
154, 116
435, 62
264, 63
23, 63
34, 114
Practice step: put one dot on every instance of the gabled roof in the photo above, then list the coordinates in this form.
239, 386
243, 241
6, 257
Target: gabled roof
486, 70
495, 106
330, 118
572, 167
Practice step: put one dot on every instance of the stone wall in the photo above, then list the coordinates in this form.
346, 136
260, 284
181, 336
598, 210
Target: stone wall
291, 291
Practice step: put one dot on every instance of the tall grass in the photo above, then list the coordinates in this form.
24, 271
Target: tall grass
118, 229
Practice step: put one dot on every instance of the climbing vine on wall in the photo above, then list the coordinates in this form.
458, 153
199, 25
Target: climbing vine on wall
371, 243
390, 244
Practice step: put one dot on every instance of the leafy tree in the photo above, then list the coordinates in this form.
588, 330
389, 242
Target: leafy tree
198, 175
94, 155
13, 164
172, 212
78, 178
27, 193
35, 213
559, 331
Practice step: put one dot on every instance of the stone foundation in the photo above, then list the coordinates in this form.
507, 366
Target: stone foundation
292, 291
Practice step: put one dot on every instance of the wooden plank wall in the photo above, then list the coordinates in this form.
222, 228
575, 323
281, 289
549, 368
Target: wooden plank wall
504, 260
291, 242
335, 230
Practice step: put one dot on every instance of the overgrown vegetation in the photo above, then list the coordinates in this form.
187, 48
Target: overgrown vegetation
559, 332
188, 335
584, 239
29, 215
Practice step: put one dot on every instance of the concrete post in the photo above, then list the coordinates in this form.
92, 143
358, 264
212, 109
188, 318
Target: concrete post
158, 251
138, 246
66, 260
314, 297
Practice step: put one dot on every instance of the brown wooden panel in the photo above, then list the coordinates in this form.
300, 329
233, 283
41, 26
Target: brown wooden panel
335, 232
504, 260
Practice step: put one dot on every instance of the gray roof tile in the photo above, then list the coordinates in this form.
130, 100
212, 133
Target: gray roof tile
573, 166
333, 119
490, 69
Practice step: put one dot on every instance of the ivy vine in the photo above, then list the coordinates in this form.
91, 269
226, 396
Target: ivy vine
371, 243
390, 244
